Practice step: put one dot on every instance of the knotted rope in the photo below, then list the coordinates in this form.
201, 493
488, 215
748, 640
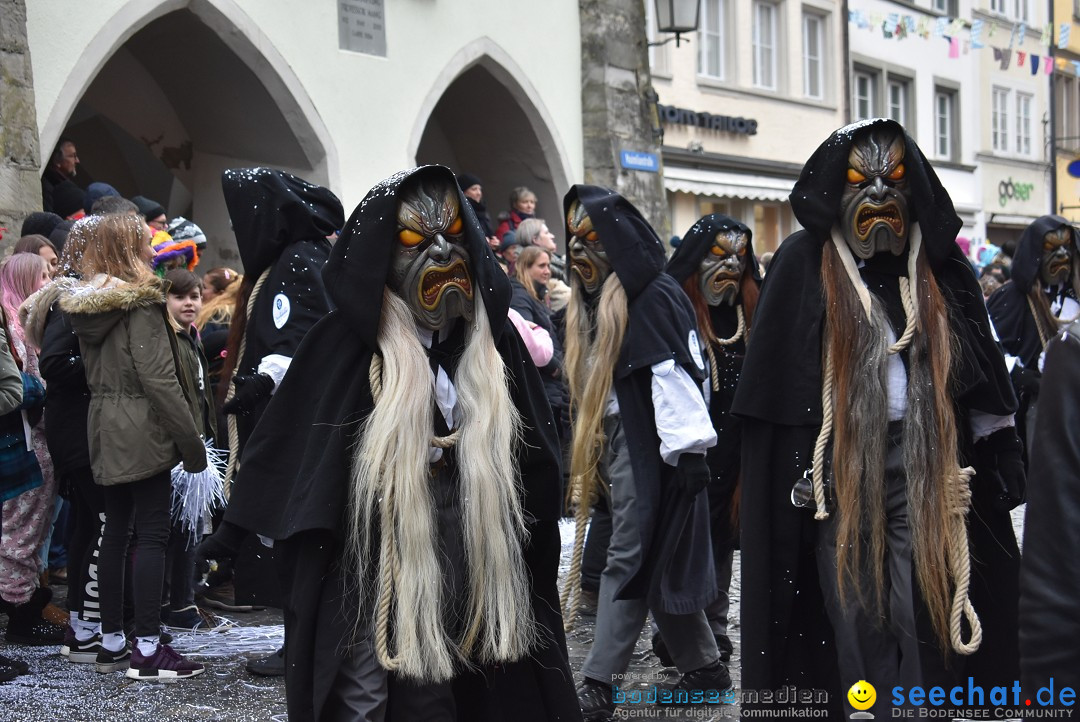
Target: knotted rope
958, 494
234, 432
391, 560
570, 596
714, 372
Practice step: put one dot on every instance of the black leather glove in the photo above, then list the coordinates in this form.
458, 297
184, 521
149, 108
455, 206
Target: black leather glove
999, 460
224, 544
692, 473
1025, 379
250, 390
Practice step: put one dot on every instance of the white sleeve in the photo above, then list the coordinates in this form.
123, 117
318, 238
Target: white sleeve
984, 424
275, 365
682, 419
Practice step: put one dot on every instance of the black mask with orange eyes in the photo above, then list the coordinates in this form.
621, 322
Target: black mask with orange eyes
586, 250
1057, 257
875, 203
722, 268
430, 268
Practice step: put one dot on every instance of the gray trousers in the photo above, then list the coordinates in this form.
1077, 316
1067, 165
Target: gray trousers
868, 647
359, 692
619, 622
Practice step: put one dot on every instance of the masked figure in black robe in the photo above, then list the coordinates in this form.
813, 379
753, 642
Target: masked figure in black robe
409, 472
1038, 300
872, 386
1050, 570
281, 224
640, 427
717, 268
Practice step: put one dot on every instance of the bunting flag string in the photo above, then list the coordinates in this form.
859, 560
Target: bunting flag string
897, 26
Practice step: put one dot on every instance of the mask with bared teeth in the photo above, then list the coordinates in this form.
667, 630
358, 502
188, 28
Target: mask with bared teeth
430, 268
875, 205
588, 259
722, 267
1057, 257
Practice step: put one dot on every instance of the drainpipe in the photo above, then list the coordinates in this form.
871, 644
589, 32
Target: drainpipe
1053, 117
845, 48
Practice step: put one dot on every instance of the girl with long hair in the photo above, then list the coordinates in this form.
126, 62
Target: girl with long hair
140, 427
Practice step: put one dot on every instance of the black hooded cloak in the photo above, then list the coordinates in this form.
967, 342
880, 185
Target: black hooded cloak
787, 637
661, 326
301, 453
281, 223
1008, 305
724, 458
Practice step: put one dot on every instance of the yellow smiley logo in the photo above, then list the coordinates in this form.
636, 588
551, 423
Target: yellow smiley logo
862, 695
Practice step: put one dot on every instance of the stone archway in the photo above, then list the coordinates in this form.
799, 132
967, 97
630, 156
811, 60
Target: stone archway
482, 121
179, 92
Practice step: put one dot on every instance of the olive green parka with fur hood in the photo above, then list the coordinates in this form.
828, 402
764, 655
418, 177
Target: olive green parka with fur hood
140, 421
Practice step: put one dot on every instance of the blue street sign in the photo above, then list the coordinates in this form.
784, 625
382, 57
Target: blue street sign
1074, 169
640, 160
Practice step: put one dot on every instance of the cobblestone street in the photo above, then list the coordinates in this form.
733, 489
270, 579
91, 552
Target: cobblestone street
58, 690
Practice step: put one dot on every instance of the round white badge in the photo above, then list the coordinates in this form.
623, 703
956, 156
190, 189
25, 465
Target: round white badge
281, 310
695, 349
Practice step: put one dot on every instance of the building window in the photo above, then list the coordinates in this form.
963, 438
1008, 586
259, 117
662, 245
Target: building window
999, 120
1013, 9
711, 59
948, 7
865, 87
1023, 123
814, 56
898, 92
946, 135
1067, 115
764, 44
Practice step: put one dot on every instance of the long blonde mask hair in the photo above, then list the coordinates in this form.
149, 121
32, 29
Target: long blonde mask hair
593, 342
391, 493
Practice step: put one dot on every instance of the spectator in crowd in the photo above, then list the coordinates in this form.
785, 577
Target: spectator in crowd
29, 485
764, 261
11, 395
220, 287
41, 246
152, 212
59, 235
62, 166
529, 288
48, 327
508, 252
522, 206
41, 223
184, 301
473, 189
118, 313
95, 192
108, 205
68, 200
534, 232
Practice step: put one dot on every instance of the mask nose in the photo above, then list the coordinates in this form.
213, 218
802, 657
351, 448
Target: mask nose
440, 248
877, 189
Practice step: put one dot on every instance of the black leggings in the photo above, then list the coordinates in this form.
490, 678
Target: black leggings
88, 518
147, 504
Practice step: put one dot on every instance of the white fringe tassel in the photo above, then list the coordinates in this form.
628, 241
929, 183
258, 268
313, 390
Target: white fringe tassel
197, 495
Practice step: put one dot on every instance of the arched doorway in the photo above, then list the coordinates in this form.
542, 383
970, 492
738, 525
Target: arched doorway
486, 124
180, 97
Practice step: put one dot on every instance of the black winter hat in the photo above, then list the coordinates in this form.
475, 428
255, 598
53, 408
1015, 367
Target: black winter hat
41, 223
67, 198
148, 209
466, 181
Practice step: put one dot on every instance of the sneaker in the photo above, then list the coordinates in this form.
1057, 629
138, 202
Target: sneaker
595, 700
272, 666
715, 676
85, 652
113, 661
36, 635
164, 665
186, 619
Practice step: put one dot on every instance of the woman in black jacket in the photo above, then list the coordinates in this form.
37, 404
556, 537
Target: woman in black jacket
529, 286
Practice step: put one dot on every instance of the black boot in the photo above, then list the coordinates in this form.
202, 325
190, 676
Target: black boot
595, 700
272, 666
19, 666
715, 676
25, 625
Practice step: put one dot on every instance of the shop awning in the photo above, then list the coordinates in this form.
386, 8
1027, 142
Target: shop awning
1010, 220
723, 184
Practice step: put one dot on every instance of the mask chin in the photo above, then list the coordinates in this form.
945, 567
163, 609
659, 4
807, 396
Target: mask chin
719, 289
453, 305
